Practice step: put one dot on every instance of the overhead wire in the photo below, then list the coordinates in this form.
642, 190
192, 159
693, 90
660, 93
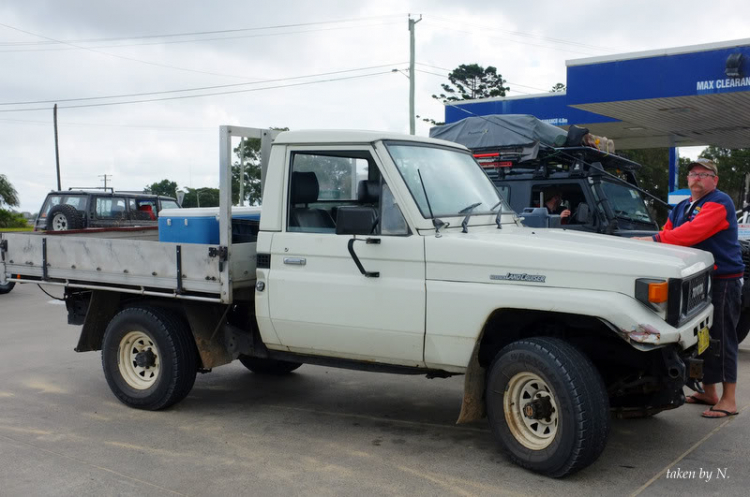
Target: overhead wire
509, 82
247, 90
522, 33
193, 33
202, 88
484, 34
132, 59
198, 40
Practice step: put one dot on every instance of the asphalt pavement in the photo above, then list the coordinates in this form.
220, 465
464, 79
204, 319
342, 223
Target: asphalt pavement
318, 431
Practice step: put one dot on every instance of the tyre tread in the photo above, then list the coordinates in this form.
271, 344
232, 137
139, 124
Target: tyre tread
180, 346
588, 396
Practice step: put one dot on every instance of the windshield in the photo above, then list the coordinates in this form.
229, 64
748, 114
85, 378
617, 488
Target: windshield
453, 180
626, 202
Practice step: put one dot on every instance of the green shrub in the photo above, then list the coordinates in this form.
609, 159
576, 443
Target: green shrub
10, 219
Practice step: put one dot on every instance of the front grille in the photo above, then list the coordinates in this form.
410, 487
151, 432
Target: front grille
695, 294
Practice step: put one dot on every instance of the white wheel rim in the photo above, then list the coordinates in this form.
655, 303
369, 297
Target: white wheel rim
59, 222
138, 377
534, 434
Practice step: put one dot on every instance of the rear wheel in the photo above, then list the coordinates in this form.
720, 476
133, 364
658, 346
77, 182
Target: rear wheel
6, 287
547, 406
64, 217
268, 366
149, 358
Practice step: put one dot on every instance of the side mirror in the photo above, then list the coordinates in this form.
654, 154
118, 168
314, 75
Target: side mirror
356, 220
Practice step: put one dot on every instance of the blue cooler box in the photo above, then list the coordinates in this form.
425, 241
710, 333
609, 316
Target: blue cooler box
201, 225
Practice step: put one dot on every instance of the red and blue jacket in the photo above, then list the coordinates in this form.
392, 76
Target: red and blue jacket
710, 224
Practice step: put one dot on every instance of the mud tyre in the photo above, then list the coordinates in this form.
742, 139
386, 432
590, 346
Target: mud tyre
63, 218
547, 406
149, 358
268, 366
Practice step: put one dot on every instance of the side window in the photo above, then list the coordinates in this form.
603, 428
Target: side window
169, 204
110, 207
558, 198
392, 221
51, 201
325, 186
320, 184
77, 201
144, 209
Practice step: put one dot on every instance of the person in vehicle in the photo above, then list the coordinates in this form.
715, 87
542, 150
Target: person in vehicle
554, 206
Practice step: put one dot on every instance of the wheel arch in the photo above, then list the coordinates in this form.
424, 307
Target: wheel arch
504, 326
204, 320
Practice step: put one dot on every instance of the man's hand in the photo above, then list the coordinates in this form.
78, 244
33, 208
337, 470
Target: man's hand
565, 214
643, 238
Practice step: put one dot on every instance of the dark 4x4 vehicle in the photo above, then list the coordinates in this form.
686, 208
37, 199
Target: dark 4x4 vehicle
531, 161
80, 209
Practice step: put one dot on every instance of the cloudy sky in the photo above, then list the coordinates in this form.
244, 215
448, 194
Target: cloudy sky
301, 64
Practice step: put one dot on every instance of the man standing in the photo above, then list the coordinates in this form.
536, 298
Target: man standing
707, 221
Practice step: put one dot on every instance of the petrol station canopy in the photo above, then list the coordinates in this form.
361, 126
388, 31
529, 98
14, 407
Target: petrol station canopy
675, 97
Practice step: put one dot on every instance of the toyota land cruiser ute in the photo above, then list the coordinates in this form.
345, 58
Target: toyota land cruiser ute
394, 254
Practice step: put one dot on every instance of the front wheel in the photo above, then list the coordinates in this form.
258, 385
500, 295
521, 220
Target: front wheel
547, 406
7, 287
149, 358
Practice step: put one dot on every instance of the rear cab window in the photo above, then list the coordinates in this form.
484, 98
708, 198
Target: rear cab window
110, 207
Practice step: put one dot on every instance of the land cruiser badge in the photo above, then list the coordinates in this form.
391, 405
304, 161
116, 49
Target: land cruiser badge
531, 278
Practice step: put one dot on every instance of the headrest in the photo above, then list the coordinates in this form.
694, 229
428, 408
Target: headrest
368, 192
305, 187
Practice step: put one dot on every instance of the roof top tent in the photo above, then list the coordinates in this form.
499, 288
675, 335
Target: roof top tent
501, 141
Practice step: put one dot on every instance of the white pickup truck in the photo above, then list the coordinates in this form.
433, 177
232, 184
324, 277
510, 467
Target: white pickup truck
392, 253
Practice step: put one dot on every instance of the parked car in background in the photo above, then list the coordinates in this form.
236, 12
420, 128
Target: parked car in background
80, 209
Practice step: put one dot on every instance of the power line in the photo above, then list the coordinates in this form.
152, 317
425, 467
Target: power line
449, 70
202, 95
194, 33
510, 40
444, 76
198, 40
109, 125
529, 35
202, 88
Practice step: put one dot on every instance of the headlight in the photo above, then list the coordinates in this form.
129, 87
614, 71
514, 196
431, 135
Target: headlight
653, 293
676, 299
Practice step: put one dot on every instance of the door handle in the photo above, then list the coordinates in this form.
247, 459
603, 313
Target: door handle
295, 261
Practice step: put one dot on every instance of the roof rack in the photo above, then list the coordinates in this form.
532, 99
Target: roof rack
105, 188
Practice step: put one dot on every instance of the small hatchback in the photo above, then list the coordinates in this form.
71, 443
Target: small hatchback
81, 209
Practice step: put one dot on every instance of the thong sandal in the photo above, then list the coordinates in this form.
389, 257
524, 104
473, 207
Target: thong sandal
694, 399
726, 414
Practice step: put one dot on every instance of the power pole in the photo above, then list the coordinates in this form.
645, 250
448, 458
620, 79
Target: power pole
242, 172
57, 153
105, 179
412, 123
